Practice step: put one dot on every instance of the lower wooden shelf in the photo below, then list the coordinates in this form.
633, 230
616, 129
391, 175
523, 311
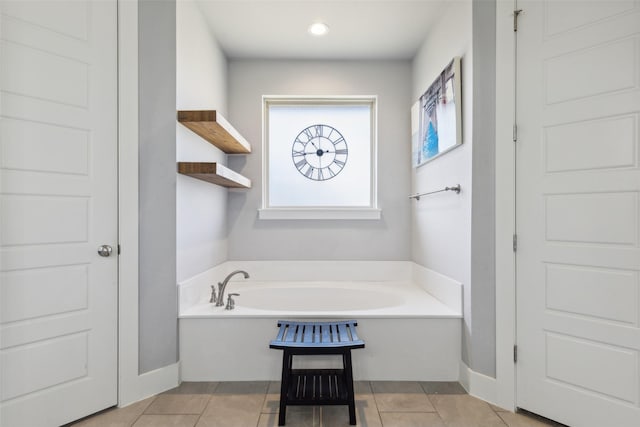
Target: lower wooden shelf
317, 387
214, 173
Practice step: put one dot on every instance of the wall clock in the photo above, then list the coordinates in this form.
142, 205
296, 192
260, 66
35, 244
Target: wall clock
319, 152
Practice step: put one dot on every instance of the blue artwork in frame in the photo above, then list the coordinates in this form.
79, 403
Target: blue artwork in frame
437, 116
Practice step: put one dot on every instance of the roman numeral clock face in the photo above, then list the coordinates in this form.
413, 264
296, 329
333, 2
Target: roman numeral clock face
319, 152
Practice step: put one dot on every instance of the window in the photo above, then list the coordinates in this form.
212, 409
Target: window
319, 158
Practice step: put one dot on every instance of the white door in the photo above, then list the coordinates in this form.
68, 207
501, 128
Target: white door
578, 211
58, 204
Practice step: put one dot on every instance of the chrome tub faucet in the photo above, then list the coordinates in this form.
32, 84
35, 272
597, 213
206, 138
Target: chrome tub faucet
223, 285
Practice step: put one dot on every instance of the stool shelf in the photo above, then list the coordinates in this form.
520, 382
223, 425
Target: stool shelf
317, 387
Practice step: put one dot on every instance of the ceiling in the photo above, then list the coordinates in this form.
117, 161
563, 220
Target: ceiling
358, 29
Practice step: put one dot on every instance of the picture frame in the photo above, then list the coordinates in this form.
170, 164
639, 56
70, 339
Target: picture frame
437, 116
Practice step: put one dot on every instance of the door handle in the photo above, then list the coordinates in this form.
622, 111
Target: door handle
105, 250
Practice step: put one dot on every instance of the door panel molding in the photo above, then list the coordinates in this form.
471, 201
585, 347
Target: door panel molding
578, 213
58, 203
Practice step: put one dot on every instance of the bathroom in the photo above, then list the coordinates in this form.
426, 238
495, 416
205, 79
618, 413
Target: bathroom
171, 59
450, 234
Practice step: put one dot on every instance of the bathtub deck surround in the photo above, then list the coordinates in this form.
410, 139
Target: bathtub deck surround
385, 297
326, 299
196, 289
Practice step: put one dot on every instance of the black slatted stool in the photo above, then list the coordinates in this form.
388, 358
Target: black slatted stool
317, 386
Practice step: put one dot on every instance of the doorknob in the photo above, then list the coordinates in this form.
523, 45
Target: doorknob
105, 250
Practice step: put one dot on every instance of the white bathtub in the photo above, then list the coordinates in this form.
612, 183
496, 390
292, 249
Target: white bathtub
316, 297
325, 299
408, 333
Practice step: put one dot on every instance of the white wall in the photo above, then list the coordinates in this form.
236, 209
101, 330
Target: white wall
441, 223
201, 85
385, 239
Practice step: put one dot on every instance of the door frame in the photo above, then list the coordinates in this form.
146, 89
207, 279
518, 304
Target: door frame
506, 273
132, 386
127, 200
505, 207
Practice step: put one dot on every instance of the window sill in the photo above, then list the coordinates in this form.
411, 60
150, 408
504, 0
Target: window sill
319, 213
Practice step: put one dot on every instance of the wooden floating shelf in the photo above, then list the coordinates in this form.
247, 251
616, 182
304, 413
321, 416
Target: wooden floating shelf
214, 173
216, 130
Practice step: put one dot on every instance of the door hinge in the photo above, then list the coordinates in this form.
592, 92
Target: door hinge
515, 354
515, 19
515, 243
515, 133
118, 249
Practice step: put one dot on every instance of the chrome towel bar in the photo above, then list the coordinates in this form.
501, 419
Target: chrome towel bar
455, 188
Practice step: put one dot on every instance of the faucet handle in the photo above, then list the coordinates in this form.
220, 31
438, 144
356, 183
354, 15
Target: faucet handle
213, 294
231, 304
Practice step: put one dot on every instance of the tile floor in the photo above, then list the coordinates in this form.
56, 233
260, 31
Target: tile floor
255, 404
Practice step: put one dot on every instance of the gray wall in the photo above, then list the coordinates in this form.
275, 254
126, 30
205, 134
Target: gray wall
158, 333
483, 275
385, 239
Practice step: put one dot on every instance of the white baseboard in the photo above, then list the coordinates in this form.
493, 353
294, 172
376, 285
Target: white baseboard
478, 385
152, 383
159, 380
464, 375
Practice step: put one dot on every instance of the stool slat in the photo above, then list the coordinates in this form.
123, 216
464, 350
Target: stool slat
344, 335
354, 334
291, 332
326, 334
316, 334
308, 334
300, 334
280, 334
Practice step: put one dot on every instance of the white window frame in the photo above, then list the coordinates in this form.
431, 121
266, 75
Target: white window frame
371, 212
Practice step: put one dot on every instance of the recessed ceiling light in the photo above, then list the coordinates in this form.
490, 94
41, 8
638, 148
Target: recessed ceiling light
318, 29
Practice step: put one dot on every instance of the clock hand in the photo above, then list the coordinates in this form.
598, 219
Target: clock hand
338, 151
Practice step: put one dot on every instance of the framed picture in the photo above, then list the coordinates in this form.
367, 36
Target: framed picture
437, 116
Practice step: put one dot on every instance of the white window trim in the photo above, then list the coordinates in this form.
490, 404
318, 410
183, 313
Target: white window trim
320, 213
372, 212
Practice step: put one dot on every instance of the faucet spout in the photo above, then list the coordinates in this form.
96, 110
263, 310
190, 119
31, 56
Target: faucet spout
222, 285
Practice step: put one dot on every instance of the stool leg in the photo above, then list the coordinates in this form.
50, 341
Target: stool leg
348, 374
287, 359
